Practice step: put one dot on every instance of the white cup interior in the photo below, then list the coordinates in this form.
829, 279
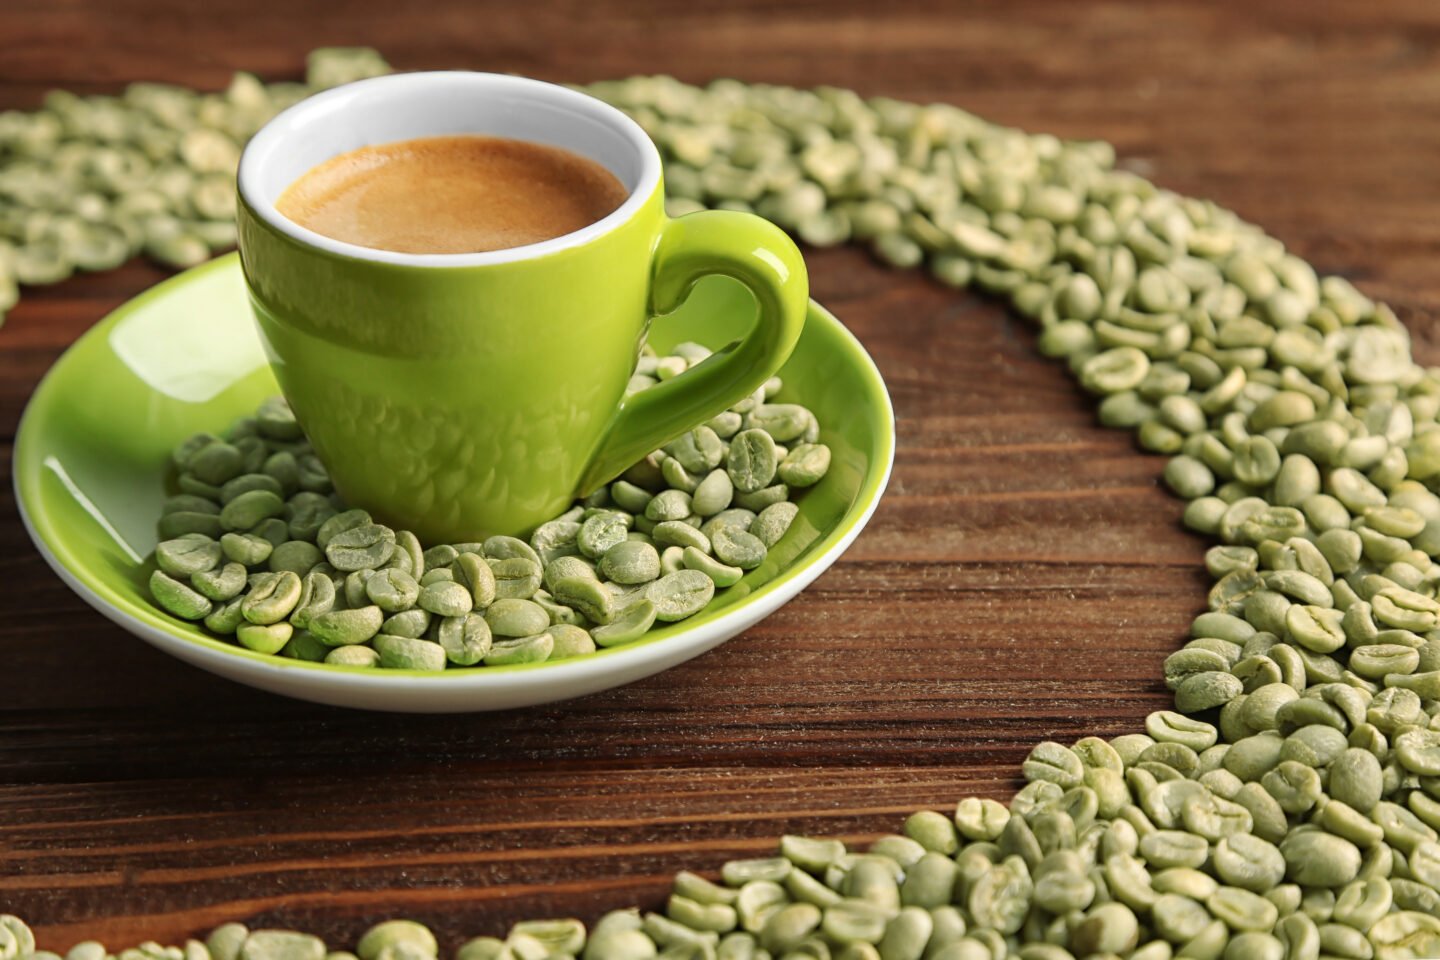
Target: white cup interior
410, 105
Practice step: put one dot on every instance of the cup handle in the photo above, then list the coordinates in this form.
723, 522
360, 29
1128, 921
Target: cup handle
739, 245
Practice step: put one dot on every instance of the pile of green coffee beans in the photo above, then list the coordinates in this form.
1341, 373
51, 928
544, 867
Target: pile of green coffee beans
88, 182
258, 546
1289, 809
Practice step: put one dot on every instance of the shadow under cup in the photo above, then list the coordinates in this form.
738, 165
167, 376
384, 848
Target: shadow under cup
455, 395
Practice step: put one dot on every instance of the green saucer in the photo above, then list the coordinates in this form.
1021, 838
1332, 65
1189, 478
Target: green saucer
183, 357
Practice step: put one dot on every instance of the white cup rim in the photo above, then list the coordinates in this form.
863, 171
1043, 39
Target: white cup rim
277, 135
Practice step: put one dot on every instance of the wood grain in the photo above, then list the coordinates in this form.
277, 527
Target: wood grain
1023, 578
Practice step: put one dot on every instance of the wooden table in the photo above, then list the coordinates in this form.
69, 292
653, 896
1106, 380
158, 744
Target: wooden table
1023, 578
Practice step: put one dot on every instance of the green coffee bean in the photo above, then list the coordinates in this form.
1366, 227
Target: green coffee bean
514, 618
1019, 840
465, 639
392, 590
1107, 928
1319, 859
713, 493
1362, 904
317, 596
221, 584
1189, 477
1314, 746
637, 619
805, 465
773, 522
249, 508
980, 819
408, 653
715, 917
554, 539
1203, 691
1170, 727
810, 853
215, 463
739, 548
294, 556
739, 873
619, 944
763, 498
271, 598
854, 921
698, 451
901, 849
339, 628
788, 926
559, 613
226, 618
340, 523
568, 640
1173, 848
352, 587
752, 462
680, 595
933, 831
397, 935
697, 888
497, 548
563, 937
446, 598
907, 935
268, 638
364, 547
1128, 882
631, 563
1186, 882
1255, 946
723, 575
1355, 779
678, 533
535, 648
183, 522
1112, 371
245, 548
281, 945
1406, 933
872, 879
248, 483
189, 503
567, 567
603, 531
586, 594
1183, 664
677, 477
668, 505
1242, 910
1179, 919
514, 578
1000, 899
188, 555
178, 598
438, 558
476, 576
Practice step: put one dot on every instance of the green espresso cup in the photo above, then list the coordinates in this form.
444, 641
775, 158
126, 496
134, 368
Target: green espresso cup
466, 395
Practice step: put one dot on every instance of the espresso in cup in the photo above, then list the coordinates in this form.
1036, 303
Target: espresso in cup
456, 377
456, 194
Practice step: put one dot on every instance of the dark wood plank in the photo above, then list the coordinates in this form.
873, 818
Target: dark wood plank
1019, 543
